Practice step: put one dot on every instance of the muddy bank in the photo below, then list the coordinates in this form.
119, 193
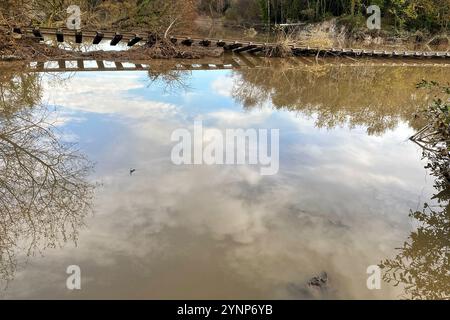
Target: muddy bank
16, 47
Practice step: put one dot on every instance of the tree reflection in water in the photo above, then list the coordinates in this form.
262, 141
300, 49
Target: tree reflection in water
44, 192
377, 97
374, 96
422, 265
166, 72
45, 196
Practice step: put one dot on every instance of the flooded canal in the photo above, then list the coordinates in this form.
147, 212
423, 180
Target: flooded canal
141, 227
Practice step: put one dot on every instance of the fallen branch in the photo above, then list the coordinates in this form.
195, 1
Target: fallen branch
170, 27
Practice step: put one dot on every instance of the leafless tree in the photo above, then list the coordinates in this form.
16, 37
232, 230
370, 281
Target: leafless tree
44, 191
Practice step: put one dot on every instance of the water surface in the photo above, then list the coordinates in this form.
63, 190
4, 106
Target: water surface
348, 179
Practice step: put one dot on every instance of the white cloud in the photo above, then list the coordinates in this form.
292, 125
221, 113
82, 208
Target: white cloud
339, 204
223, 85
108, 94
232, 119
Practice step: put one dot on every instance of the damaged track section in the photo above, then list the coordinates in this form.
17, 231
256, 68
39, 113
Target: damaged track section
15, 45
192, 48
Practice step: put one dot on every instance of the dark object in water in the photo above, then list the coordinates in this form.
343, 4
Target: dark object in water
320, 281
132, 171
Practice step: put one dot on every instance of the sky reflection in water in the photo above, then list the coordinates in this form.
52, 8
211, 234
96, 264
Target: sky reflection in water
338, 204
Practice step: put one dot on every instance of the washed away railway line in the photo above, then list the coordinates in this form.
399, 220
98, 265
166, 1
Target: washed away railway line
235, 46
228, 62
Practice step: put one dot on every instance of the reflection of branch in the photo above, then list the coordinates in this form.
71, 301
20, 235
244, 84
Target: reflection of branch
423, 146
166, 72
422, 265
418, 133
44, 194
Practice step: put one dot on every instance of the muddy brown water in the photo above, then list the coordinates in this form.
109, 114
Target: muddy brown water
348, 178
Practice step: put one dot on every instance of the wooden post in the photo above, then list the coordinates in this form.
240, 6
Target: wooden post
40, 66
205, 43
187, 66
255, 50
37, 33
59, 36
100, 65
187, 42
116, 39
133, 41
246, 61
98, 38
233, 46
78, 37
245, 48
80, 64
228, 59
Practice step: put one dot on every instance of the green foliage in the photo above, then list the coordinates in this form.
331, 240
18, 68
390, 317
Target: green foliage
352, 22
428, 15
432, 15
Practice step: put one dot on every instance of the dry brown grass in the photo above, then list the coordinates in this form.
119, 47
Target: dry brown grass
321, 35
282, 47
319, 39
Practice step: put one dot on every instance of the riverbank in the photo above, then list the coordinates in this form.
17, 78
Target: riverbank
334, 32
26, 44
